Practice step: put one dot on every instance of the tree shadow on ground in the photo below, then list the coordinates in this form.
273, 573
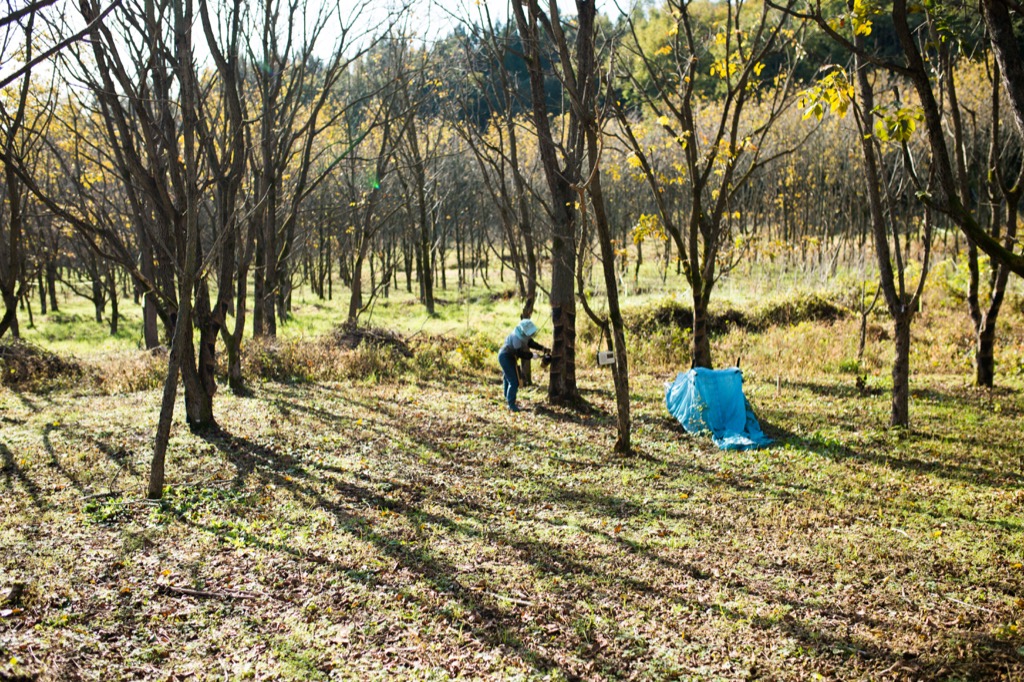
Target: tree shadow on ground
580, 411
832, 390
837, 452
12, 473
492, 624
494, 620
27, 401
776, 431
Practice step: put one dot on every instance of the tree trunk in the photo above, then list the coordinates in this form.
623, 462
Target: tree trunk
355, 301
984, 355
198, 399
150, 333
163, 428
620, 371
27, 303
234, 352
259, 286
112, 292
701, 349
901, 372
329, 267
98, 302
407, 260
562, 380
42, 291
51, 284
233, 340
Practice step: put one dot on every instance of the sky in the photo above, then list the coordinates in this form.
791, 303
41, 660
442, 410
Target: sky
427, 20
432, 19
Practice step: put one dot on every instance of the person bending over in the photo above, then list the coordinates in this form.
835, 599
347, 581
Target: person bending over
518, 345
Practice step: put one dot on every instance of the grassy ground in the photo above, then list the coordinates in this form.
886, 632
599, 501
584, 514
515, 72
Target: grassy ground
412, 529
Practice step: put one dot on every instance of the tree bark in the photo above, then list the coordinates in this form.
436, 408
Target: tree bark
562, 380
112, 293
620, 371
163, 428
701, 342
150, 333
51, 284
901, 372
9, 321
355, 301
42, 291
984, 356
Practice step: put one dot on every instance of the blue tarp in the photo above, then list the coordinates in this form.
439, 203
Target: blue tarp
712, 400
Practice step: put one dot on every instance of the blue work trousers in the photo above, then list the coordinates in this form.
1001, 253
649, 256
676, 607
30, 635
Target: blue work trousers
509, 378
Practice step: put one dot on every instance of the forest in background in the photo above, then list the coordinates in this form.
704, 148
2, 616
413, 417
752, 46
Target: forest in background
209, 167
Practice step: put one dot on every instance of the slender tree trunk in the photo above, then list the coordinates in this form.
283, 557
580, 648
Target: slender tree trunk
895, 300
233, 340
112, 292
170, 394
259, 287
42, 291
235, 380
901, 372
701, 348
620, 371
407, 259
27, 302
329, 266
150, 333
199, 375
355, 301
198, 399
51, 284
98, 302
984, 356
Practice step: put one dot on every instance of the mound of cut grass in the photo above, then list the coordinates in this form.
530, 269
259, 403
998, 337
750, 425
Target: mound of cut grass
25, 365
671, 313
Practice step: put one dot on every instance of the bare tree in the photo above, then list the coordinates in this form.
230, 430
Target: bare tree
717, 159
1005, 192
23, 121
561, 175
